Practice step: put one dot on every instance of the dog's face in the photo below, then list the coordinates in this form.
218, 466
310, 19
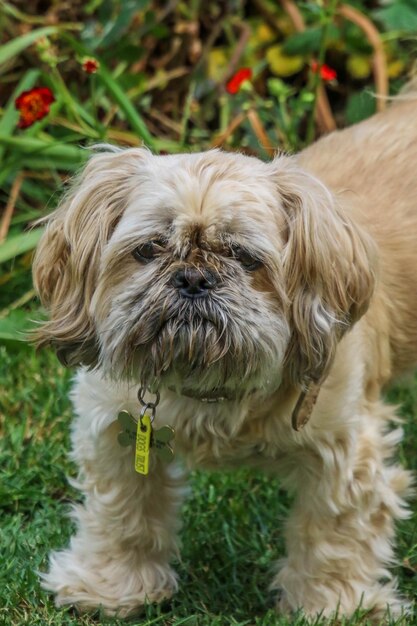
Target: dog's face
213, 274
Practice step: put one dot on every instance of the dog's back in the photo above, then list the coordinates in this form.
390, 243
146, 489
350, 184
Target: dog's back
371, 167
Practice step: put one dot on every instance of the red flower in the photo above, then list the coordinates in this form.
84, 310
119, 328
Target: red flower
90, 65
326, 73
234, 84
33, 105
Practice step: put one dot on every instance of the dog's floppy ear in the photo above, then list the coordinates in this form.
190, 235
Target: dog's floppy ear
67, 259
329, 269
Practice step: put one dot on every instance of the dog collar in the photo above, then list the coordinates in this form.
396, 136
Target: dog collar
301, 412
207, 399
304, 407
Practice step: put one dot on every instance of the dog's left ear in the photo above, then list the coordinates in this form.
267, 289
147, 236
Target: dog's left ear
329, 271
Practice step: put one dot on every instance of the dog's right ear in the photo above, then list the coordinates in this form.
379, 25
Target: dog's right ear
67, 259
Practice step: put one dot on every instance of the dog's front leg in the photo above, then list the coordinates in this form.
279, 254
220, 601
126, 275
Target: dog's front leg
126, 527
341, 530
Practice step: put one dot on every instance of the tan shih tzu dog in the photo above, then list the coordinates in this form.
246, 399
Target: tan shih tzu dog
268, 304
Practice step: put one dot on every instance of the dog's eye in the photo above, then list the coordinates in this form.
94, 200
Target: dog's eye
246, 259
146, 252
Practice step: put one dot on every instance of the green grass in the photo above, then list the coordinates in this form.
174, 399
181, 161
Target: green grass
232, 531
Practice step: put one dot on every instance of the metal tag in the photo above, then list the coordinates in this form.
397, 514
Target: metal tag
161, 439
141, 434
128, 435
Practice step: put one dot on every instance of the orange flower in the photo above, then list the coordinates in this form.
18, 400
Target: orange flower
90, 65
326, 73
33, 105
234, 84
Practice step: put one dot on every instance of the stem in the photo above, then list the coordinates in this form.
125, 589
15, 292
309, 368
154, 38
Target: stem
324, 117
67, 99
187, 113
379, 59
316, 77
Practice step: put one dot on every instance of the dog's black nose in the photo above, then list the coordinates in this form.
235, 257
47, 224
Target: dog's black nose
193, 282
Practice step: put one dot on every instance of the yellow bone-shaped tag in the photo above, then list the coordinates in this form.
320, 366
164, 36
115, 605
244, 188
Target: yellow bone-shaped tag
144, 437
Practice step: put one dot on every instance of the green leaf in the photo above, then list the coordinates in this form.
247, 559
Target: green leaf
360, 106
33, 146
49, 163
302, 43
15, 326
132, 116
18, 244
117, 27
400, 15
14, 47
8, 173
308, 41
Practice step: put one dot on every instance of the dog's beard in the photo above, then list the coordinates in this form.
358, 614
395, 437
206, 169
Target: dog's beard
223, 345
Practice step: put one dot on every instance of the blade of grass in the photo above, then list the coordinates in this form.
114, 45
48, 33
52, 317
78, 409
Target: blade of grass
9, 172
14, 47
89, 125
132, 116
114, 89
31, 145
9, 9
19, 244
10, 207
49, 163
17, 304
187, 113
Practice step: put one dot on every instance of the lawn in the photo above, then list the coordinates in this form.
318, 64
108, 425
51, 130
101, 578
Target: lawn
177, 76
232, 532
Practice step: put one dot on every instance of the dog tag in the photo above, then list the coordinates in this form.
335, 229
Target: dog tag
138, 433
144, 437
143, 444
160, 442
128, 436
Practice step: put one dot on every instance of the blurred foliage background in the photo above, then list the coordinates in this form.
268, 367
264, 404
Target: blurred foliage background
169, 74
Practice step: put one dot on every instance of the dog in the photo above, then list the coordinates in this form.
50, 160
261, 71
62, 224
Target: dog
227, 311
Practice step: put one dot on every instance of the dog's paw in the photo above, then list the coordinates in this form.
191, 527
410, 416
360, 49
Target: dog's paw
116, 587
381, 614
339, 599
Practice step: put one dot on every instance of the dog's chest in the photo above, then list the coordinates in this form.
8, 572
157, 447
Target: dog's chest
214, 444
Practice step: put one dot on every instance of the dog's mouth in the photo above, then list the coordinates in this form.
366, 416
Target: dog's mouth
194, 357
194, 339
212, 351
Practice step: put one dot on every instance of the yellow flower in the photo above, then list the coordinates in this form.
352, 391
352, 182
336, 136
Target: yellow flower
281, 64
359, 66
395, 68
264, 33
217, 62
285, 25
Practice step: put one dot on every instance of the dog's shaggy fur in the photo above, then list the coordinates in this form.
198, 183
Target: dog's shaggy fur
308, 277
